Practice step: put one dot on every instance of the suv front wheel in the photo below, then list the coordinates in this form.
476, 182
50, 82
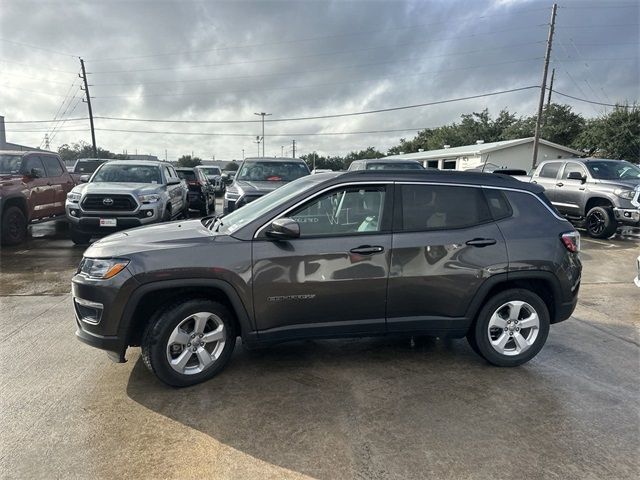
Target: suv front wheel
511, 328
189, 342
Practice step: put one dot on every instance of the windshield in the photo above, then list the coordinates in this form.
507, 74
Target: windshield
87, 166
610, 170
251, 211
394, 166
211, 171
272, 171
110, 172
10, 164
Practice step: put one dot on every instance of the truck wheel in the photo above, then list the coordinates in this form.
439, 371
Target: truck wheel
166, 216
14, 226
600, 222
189, 341
511, 328
79, 238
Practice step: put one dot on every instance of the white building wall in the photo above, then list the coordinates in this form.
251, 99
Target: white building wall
520, 156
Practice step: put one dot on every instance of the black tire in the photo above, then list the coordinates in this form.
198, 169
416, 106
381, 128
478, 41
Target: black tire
600, 222
479, 334
79, 238
161, 325
14, 226
166, 216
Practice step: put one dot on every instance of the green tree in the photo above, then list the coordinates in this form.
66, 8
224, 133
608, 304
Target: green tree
81, 149
615, 135
560, 125
189, 161
233, 166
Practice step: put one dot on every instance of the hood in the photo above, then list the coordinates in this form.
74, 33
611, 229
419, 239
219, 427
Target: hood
11, 179
117, 188
257, 187
180, 234
630, 183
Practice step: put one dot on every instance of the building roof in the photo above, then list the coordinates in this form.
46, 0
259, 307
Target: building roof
477, 149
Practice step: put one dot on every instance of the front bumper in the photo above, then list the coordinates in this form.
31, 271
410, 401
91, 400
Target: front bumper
89, 222
102, 330
627, 216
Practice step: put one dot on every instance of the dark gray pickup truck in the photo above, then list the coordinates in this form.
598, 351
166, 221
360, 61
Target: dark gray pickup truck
597, 194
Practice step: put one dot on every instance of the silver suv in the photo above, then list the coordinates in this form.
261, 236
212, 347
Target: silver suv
125, 194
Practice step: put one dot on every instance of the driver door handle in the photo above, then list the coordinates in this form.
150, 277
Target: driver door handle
367, 249
481, 242
559, 184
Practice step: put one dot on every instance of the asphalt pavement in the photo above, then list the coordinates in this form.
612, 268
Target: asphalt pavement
364, 408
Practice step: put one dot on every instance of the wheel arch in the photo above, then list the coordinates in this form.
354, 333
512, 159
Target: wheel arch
542, 283
150, 297
16, 201
597, 202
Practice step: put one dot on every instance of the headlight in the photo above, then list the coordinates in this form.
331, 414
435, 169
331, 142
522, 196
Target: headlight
151, 198
624, 193
102, 268
74, 197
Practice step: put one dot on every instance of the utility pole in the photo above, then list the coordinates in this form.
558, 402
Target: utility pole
282, 150
258, 142
294, 149
553, 74
243, 153
262, 114
543, 86
46, 141
88, 102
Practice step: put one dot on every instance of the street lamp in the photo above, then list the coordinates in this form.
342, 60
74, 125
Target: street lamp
262, 114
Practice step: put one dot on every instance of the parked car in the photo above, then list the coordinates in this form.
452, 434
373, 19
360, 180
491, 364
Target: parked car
84, 167
202, 194
123, 194
33, 187
597, 194
385, 164
259, 176
336, 255
214, 175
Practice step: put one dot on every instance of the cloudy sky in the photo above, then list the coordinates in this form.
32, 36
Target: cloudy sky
223, 61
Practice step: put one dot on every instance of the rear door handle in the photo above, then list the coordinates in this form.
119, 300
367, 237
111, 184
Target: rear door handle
481, 242
367, 249
559, 184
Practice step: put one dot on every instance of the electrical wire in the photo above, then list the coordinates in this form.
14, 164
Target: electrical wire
556, 92
252, 134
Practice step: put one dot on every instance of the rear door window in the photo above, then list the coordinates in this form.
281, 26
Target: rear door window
498, 203
550, 170
440, 207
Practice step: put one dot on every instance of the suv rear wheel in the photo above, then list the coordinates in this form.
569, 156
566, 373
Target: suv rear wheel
14, 226
600, 222
189, 342
511, 328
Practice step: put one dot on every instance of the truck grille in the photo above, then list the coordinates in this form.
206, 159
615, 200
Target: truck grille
105, 202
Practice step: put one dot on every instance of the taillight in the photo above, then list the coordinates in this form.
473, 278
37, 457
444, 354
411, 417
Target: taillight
571, 241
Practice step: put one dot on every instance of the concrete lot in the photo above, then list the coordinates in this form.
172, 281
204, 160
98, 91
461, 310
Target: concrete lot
372, 408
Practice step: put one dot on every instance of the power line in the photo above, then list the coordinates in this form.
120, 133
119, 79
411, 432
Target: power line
350, 114
599, 26
336, 67
278, 59
38, 48
47, 121
39, 67
556, 92
252, 135
314, 85
308, 39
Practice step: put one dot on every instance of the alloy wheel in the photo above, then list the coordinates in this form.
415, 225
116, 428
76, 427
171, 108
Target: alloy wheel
513, 328
596, 223
196, 343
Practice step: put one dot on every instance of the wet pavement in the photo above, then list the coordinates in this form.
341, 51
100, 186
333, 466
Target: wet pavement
367, 408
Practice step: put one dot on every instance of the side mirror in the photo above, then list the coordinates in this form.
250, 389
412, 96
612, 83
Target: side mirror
284, 229
33, 173
174, 181
226, 178
576, 176
84, 178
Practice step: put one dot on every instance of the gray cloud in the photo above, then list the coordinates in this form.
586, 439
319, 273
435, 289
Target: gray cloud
298, 59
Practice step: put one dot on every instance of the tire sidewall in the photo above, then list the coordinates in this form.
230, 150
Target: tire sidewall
15, 214
161, 325
610, 223
481, 336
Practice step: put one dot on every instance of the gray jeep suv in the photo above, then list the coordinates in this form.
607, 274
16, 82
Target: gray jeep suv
334, 255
